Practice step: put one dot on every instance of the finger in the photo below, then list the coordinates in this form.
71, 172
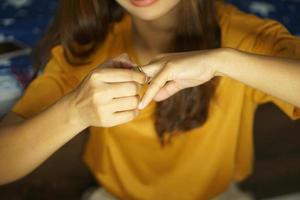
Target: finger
123, 117
121, 75
155, 85
125, 89
125, 103
168, 90
153, 69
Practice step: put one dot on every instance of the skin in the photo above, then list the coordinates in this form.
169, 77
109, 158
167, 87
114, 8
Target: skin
108, 96
170, 75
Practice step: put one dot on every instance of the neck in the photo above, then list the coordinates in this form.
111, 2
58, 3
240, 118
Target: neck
155, 36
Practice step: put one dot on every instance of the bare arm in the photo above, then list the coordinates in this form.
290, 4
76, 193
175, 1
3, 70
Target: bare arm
25, 144
107, 97
278, 77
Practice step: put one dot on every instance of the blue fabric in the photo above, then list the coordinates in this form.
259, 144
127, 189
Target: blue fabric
10, 89
21, 20
25, 20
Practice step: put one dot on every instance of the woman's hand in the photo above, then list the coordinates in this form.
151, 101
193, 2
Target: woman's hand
173, 72
108, 96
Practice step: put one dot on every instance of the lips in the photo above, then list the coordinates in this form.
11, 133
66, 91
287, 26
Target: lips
142, 3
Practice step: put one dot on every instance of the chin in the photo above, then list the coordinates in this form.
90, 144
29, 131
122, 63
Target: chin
148, 9
147, 16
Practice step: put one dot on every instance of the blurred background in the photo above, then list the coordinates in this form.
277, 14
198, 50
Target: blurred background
63, 176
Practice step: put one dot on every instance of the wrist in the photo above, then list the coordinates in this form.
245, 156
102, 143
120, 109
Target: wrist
73, 118
222, 60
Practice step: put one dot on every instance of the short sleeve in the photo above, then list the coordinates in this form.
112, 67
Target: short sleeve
44, 90
290, 110
275, 40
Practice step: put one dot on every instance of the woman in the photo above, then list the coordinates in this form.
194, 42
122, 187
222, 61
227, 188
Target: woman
197, 137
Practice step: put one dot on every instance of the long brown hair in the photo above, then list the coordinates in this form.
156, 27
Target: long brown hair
81, 25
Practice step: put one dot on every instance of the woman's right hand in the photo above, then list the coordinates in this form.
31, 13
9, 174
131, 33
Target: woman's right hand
108, 96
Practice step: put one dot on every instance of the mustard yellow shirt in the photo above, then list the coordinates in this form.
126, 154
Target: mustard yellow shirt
128, 159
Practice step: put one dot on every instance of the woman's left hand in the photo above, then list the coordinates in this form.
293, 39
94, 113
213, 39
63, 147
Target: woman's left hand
171, 73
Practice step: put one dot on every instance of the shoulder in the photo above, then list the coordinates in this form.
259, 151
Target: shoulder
110, 47
248, 32
59, 62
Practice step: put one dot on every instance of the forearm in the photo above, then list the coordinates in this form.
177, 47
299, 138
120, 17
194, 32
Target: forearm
278, 77
25, 146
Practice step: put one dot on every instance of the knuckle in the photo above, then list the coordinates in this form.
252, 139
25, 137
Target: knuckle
100, 113
155, 83
169, 64
103, 92
98, 97
95, 98
131, 116
103, 122
135, 86
130, 74
94, 79
135, 75
160, 56
135, 101
94, 75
